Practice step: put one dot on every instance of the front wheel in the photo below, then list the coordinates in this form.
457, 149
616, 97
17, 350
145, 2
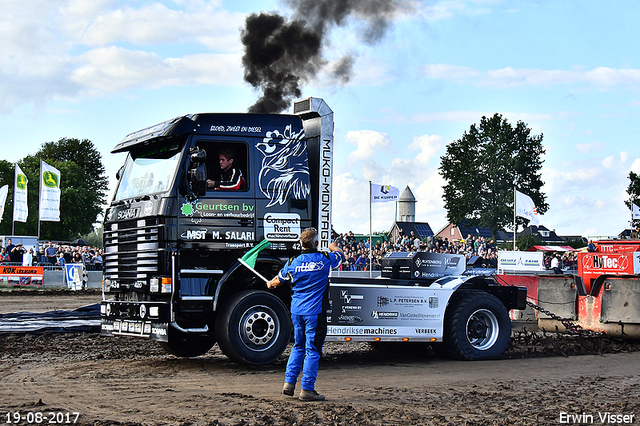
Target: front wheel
477, 326
253, 327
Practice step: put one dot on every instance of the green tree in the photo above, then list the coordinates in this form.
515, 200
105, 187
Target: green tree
6, 178
525, 242
482, 168
83, 186
634, 194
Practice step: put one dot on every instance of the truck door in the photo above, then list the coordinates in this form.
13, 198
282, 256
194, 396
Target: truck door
224, 218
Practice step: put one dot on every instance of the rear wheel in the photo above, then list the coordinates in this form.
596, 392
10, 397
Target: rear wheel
253, 327
187, 344
477, 326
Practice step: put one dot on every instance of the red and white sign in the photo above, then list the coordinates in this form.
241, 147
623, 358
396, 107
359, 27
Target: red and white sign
592, 265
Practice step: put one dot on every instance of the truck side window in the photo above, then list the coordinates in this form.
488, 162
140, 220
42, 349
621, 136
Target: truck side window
226, 166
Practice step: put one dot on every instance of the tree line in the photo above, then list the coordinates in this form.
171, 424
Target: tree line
83, 186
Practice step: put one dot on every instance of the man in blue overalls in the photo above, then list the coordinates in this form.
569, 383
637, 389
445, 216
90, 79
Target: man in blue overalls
308, 274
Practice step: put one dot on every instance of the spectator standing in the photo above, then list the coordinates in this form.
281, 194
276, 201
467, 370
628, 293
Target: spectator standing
555, 264
61, 260
4, 256
68, 256
86, 256
27, 258
97, 261
10, 247
17, 253
51, 253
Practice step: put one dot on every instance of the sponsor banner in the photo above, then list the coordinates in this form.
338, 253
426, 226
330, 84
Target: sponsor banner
422, 265
20, 207
617, 247
49, 193
282, 226
383, 331
386, 311
384, 193
521, 261
73, 275
591, 265
21, 275
3, 199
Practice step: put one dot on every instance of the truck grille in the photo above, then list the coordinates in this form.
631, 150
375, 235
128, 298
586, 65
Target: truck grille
131, 249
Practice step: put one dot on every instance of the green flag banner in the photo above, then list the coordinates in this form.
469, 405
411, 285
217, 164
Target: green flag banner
252, 255
250, 258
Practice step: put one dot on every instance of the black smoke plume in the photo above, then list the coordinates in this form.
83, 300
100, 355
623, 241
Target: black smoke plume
280, 55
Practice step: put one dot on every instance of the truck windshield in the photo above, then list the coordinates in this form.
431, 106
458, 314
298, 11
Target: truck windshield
150, 171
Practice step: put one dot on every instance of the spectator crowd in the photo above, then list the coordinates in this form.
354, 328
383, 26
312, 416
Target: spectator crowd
51, 254
356, 253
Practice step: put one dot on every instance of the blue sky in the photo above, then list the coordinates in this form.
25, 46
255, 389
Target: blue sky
569, 70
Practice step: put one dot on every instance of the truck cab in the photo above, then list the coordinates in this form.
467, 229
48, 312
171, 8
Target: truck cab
173, 238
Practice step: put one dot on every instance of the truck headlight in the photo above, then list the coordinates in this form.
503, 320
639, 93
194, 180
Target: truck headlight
154, 285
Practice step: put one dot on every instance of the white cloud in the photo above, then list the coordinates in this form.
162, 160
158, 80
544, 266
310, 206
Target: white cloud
608, 162
635, 167
429, 146
154, 23
600, 78
434, 11
586, 148
367, 143
412, 169
114, 69
73, 48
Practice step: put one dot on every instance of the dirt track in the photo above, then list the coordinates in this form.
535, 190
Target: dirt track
131, 381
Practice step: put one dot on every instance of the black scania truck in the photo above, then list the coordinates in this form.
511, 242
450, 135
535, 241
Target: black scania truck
172, 247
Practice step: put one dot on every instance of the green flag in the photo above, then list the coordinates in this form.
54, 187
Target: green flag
252, 255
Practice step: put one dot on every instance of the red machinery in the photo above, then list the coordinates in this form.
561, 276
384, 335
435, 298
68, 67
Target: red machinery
603, 297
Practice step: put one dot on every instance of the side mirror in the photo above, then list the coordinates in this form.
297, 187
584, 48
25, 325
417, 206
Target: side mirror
198, 179
119, 173
198, 155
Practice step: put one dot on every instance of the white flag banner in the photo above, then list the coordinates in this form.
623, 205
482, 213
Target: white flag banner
526, 208
636, 212
3, 199
384, 193
20, 207
49, 193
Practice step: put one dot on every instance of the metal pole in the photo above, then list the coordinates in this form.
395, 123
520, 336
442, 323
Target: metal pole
514, 218
370, 232
39, 198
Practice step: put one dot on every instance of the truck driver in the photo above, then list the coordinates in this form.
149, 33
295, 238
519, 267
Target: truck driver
231, 178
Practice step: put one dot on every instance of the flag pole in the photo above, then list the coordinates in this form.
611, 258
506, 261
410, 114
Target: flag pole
39, 197
370, 232
514, 218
